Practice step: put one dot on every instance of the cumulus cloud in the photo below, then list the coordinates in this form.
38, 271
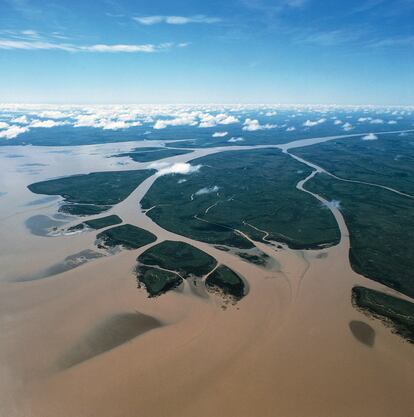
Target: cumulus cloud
45, 123
116, 124
207, 190
52, 114
377, 121
219, 134
186, 120
23, 120
94, 120
364, 119
311, 123
370, 136
13, 131
210, 120
251, 125
232, 140
392, 122
183, 168
338, 122
290, 129
347, 126
4, 125
175, 20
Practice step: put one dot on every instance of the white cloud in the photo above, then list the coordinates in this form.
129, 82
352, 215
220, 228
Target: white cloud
96, 121
392, 122
86, 120
377, 121
253, 124
185, 120
175, 20
100, 48
121, 48
347, 126
4, 125
219, 134
228, 120
338, 122
21, 120
45, 123
232, 140
52, 114
210, 120
290, 129
164, 168
13, 131
370, 136
207, 190
311, 123
364, 119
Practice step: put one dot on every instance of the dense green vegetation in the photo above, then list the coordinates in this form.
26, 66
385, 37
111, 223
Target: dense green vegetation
98, 223
231, 188
83, 209
387, 161
157, 281
127, 235
92, 193
151, 154
227, 281
381, 225
180, 257
397, 313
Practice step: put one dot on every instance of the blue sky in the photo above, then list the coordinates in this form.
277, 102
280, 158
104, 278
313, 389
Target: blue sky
235, 51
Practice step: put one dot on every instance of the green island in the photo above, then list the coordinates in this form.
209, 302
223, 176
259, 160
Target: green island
179, 257
163, 267
260, 259
226, 281
242, 190
97, 224
93, 193
393, 311
126, 235
157, 281
381, 226
387, 161
151, 154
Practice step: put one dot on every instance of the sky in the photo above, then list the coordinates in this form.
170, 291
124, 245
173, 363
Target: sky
215, 51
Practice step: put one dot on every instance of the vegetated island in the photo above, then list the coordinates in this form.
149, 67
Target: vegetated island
164, 267
93, 193
151, 154
395, 312
227, 281
242, 190
97, 224
128, 236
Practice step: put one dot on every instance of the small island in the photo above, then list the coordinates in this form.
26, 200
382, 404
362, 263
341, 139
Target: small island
97, 224
394, 312
165, 266
128, 236
227, 282
90, 194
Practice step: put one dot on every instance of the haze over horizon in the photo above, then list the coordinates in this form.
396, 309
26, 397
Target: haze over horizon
244, 51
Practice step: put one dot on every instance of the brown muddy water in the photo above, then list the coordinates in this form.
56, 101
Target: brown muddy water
86, 342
